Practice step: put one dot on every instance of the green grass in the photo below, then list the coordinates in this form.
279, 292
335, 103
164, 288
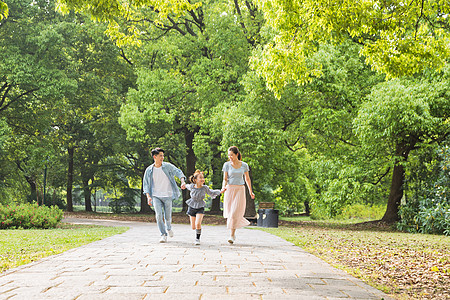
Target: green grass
407, 266
19, 247
325, 222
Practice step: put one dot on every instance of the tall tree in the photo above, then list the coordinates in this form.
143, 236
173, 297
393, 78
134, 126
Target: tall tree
401, 116
102, 78
31, 82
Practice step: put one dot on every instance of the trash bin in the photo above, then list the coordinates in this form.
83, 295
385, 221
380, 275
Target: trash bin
271, 219
261, 217
267, 218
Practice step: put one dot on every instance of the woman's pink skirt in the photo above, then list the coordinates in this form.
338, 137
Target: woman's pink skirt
234, 206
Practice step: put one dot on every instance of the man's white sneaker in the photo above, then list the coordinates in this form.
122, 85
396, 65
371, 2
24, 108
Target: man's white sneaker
231, 239
163, 239
197, 242
170, 233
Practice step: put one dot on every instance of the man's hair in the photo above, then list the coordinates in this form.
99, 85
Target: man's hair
156, 151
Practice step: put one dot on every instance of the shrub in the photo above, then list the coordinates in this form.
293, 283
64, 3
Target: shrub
361, 211
29, 216
429, 211
427, 215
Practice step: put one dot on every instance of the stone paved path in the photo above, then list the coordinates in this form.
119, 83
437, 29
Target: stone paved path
133, 265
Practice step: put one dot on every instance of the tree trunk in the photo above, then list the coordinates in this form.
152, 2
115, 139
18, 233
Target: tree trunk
33, 188
144, 158
190, 162
32, 182
217, 181
87, 195
307, 208
70, 151
395, 195
396, 191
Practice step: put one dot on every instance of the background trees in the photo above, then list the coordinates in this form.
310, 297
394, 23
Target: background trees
62, 82
87, 100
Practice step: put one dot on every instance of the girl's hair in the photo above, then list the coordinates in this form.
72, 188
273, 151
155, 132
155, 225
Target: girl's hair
235, 150
193, 177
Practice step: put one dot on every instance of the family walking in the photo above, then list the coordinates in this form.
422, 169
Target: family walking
161, 189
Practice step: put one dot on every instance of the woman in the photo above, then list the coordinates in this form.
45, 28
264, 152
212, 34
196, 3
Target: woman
234, 172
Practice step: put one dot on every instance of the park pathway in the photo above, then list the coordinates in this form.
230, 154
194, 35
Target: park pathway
133, 265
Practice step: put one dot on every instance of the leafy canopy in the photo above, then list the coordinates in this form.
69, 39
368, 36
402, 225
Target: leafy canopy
398, 38
114, 12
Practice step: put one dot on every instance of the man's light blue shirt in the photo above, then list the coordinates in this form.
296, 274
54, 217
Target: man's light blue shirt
171, 172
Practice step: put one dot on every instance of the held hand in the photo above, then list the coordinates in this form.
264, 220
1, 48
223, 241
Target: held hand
223, 190
183, 186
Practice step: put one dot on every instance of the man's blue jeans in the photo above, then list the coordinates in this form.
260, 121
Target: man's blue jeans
163, 211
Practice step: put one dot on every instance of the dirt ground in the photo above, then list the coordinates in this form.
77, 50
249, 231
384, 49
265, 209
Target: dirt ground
177, 218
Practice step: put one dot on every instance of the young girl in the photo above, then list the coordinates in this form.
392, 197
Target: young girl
196, 204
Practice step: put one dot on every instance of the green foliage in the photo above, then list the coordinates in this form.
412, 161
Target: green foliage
362, 212
126, 203
29, 216
66, 71
5, 170
330, 142
398, 112
3, 10
398, 39
111, 11
428, 211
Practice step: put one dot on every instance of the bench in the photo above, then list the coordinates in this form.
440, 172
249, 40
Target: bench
266, 205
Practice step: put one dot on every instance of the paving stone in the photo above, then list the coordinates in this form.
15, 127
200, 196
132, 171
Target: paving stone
293, 296
118, 296
172, 296
232, 297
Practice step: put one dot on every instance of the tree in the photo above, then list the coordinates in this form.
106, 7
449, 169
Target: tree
31, 84
64, 70
191, 59
397, 38
401, 116
87, 122
317, 157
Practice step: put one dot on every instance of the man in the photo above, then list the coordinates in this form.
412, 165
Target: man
160, 188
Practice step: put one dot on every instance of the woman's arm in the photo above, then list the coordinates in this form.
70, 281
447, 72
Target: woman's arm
225, 180
249, 184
